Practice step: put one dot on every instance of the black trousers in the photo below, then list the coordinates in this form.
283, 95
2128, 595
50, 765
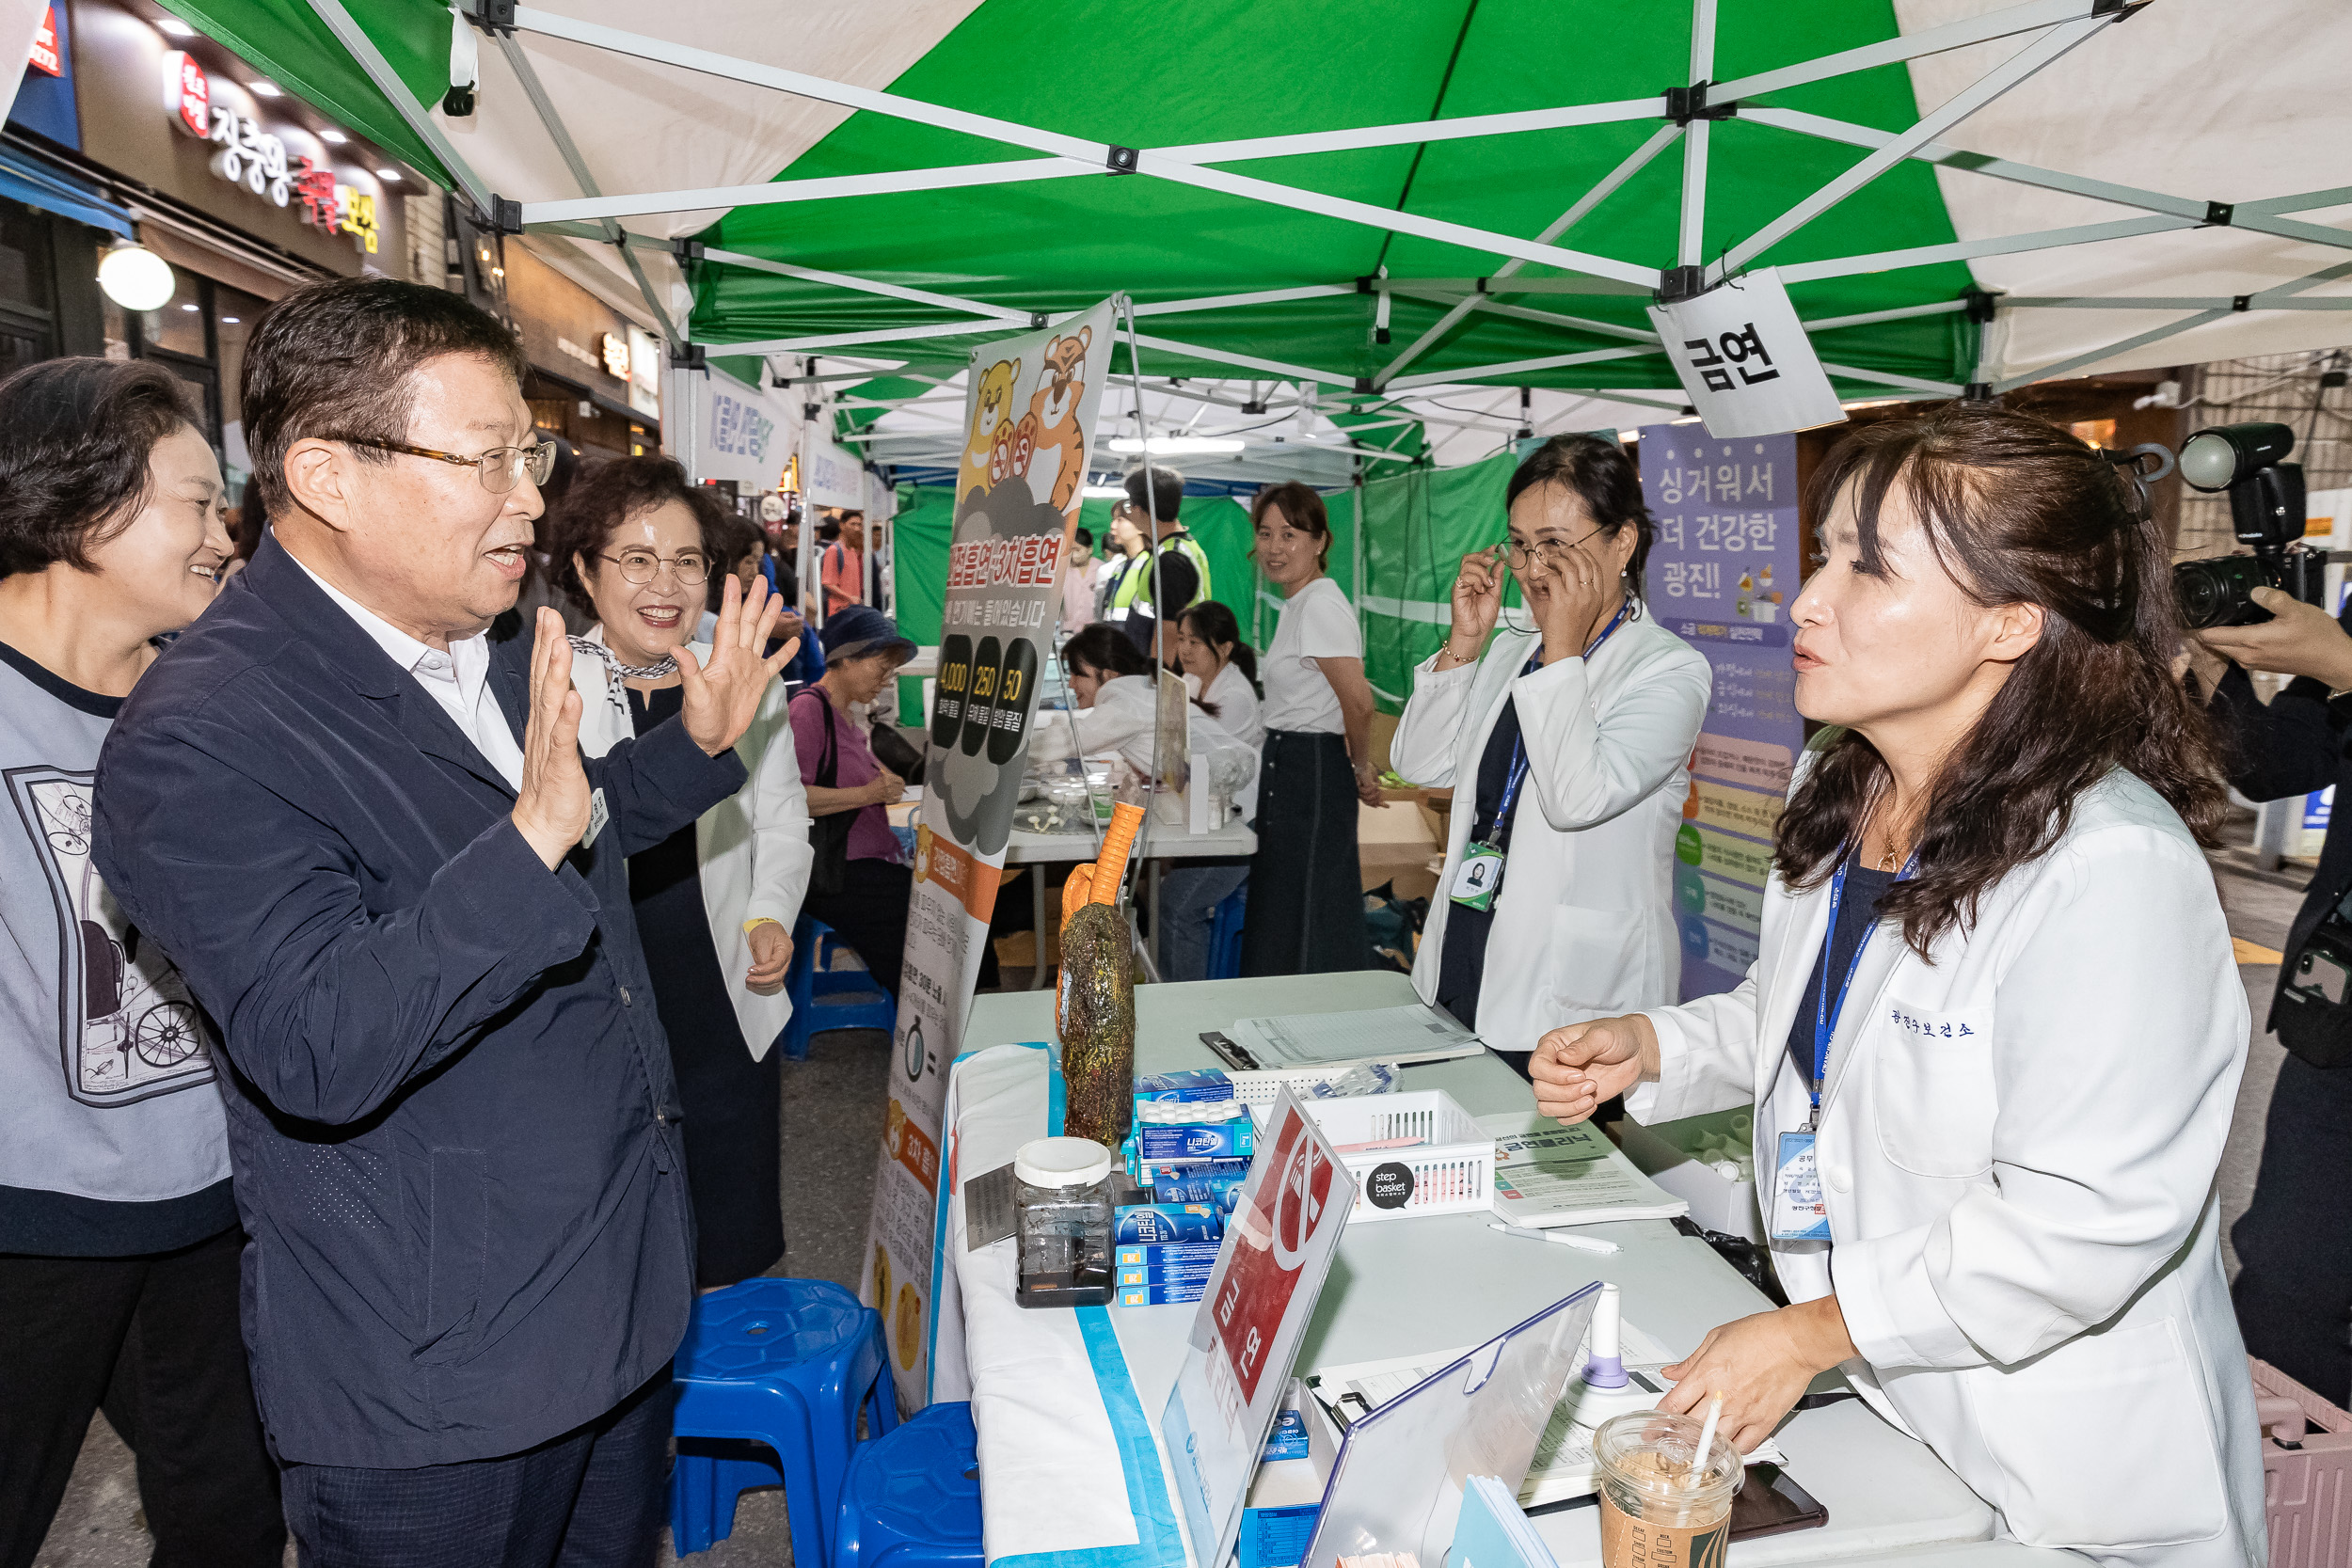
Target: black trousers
154, 1342
1306, 883
869, 912
590, 1498
2293, 1290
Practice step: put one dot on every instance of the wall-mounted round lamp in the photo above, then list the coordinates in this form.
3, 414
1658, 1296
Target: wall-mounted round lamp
135, 277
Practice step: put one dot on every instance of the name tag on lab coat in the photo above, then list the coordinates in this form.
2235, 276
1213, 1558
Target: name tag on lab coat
1799, 1214
598, 814
1479, 878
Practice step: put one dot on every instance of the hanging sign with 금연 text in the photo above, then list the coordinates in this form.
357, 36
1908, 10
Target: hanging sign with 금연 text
1727, 564
1744, 360
1030, 424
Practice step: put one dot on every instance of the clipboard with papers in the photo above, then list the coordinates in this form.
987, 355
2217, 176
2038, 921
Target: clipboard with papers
1414, 1033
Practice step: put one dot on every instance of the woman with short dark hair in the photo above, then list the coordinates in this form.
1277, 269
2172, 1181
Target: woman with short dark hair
1565, 727
118, 1236
636, 545
1995, 1035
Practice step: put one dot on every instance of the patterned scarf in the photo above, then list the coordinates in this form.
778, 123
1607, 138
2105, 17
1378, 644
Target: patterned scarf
615, 672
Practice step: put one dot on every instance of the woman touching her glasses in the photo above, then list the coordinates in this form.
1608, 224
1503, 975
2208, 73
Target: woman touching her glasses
1564, 735
1995, 1035
635, 544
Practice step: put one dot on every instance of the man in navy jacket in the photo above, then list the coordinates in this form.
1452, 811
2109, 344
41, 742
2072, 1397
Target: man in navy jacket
351, 804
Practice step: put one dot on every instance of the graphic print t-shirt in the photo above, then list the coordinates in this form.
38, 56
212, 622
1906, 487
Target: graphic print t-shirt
112, 1136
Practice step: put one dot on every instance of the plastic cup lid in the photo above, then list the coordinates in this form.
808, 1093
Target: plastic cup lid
1061, 1162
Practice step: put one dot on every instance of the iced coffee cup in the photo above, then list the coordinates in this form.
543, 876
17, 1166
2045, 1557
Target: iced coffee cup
1659, 1508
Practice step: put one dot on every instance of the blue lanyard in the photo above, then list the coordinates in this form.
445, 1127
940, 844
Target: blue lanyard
1825, 1012
1518, 748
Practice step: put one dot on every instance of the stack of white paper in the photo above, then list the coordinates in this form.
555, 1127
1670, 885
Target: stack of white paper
1414, 1033
1547, 1175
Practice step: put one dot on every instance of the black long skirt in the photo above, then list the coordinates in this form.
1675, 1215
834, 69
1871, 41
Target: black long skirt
1306, 883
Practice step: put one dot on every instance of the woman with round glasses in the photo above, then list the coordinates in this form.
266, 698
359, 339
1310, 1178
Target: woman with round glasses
1564, 735
635, 544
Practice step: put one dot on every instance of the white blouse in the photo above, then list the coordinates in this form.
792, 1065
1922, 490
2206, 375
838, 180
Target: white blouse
1317, 623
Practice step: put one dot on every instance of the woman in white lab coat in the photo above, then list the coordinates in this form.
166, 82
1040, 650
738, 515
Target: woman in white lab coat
2024, 1028
1116, 709
1594, 708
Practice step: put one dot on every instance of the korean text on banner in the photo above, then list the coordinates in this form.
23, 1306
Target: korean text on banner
739, 435
1016, 503
1727, 564
1278, 1246
830, 476
1744, 359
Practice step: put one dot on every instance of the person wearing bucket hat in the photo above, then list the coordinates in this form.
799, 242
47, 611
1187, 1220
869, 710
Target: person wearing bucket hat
860, 881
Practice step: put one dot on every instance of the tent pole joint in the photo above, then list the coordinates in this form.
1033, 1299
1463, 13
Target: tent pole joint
689, 356
2219, 213
505, 217
1685, 104
1120, 160
686, 251
492, 18
1675, 284
2241, 303
1980, 304
1978, 391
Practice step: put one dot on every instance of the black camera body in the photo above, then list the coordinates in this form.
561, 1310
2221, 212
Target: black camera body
2267, 512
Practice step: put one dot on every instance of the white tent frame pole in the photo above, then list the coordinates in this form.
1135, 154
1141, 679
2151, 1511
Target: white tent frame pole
1935, 40
539, 213
2018, 68
1690, 236
559, 134
1262, 296
2129, 302
1513, 367
864, 285
1410, 133
1961, 250
1633, 164
2335, 197
2046, 373
2258, 217
353, 38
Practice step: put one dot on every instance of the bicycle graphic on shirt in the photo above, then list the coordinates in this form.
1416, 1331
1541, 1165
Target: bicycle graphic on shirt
130, 1027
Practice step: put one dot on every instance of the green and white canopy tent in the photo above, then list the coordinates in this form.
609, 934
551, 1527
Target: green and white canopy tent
1405, 206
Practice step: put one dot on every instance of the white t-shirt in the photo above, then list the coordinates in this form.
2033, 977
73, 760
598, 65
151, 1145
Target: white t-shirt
1317, 623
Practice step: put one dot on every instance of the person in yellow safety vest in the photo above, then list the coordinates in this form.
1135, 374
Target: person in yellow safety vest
1129, 599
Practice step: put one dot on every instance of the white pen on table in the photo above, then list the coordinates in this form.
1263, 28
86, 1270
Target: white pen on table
1582, 1244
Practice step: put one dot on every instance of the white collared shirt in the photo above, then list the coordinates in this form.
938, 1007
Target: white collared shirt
459, 679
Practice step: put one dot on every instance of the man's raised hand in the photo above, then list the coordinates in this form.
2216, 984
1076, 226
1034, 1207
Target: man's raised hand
551, 807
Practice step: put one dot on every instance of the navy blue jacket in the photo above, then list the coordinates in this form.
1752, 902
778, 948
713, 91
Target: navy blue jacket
452, 1118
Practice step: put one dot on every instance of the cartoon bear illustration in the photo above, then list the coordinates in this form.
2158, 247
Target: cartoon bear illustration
991, 428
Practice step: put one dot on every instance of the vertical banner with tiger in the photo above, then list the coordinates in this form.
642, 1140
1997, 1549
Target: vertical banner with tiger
1028, 427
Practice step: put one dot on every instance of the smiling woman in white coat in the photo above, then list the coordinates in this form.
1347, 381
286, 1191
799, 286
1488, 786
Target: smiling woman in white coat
636, 545
1996, 1030
1566, 739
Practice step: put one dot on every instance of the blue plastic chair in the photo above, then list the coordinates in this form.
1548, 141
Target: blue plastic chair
912, 1500
786, 1363
1225, 923
825, 998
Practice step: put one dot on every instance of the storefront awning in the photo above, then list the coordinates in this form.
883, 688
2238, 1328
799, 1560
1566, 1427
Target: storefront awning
25, 179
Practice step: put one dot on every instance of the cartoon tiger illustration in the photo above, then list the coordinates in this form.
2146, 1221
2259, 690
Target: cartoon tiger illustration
991, 426
1049, 432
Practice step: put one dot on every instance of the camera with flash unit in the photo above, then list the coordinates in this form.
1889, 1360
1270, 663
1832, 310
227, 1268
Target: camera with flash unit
2267, 513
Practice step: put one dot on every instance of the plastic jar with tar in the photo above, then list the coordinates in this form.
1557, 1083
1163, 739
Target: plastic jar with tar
1062, 1201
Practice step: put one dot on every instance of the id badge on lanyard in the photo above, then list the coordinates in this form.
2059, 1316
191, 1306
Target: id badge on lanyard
1800, 1213
1478, 881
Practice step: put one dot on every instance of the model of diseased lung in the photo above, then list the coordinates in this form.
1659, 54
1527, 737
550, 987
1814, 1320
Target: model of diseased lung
1094, 1007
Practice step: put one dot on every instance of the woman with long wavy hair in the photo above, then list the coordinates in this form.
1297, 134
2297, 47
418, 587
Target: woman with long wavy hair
1995, 1031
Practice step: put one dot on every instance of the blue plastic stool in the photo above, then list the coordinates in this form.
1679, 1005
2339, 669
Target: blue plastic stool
783, 1362
823, 998
913, 1500
1225, 923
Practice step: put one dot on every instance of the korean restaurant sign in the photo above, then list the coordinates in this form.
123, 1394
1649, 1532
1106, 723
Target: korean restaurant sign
45, 57
1744, 360
257, 159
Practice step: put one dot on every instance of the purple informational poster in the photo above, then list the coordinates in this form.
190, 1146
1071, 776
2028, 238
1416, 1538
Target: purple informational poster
1722, 573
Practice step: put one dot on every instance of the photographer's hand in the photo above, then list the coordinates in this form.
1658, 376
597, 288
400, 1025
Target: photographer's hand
2298, 640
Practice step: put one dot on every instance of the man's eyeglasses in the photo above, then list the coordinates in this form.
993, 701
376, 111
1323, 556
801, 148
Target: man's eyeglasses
1543, 552
640, 567
500, 468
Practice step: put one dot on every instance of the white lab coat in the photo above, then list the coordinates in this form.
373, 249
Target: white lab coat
753, 846
1584, 925
2017, 1149
1123, 718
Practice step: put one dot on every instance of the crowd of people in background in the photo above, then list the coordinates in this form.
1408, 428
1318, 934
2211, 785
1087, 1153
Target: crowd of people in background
393, 1003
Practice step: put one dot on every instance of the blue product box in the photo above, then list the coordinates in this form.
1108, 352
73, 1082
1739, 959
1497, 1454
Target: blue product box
1164, 1295
1167, 1255
1167, 1222
1288, 1440
1160, 1141
1149, 1172
1182, 1273
1199, 1184
1276, 1536
1200, 1084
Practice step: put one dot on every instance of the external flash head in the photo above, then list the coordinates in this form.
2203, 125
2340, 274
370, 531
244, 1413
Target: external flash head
2226, 454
